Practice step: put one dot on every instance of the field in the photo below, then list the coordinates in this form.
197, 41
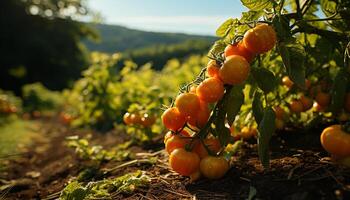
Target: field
260, 111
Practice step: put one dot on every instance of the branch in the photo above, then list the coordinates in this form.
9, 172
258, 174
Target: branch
331, 35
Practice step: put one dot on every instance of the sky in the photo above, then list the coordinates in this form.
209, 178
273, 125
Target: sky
181, 16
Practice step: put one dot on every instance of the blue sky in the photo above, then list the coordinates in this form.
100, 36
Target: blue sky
186, 16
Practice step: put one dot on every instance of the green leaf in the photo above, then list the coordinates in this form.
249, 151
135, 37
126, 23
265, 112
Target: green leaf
217, 48
225, 28
222, 131
282, 28
293, 56
257, 5
265, 79
328, 7
251, 15
266, 129
339, 91
257, 106
233, 103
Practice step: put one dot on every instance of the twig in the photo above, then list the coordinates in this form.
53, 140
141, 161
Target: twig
177, 193
290, 174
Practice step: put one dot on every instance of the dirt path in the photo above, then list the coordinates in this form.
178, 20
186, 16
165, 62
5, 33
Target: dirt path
296, 173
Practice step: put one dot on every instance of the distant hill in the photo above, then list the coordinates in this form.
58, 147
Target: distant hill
114, 38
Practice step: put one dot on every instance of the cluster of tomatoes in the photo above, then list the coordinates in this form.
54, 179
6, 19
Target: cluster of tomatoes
190, 154
138, 118
6, 107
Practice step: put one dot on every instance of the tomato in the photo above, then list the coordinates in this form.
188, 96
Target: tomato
193, 89
135, 118
323, 99
213, 69
210, 90
317, 107
307, 102
347, 102
287, 82
240, 50
248, 132
66, 118
173, 119
169, 134
336, 141
296, 106
279, 124
235, 70
184, 162
202, 116
212, 143
147, 120
279, 112
214, 167
260, 39
188, 104
175, 142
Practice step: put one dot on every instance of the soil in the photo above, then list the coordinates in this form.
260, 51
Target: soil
299, 170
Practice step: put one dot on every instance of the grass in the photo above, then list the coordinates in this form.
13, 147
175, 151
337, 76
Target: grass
14, 135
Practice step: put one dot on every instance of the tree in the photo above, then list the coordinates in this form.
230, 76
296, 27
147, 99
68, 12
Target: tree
41, 41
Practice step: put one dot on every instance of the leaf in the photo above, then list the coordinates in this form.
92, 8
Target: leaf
282, 28
257, 5
266, 129
257, 106
328, 7
293, 56
225, 28
265, 79
251, 15
233, 103
252, 193
217, 48
338, 91
222, 131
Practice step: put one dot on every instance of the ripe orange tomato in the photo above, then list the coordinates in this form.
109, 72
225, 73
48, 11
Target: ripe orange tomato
347, 102
317, 107
240, 50
323, 99
212, 143
213, 68
127, 118
287, 82
169, 134
188, 104
184, 162
235, 70
193, 89
202, 116
279, 124
336, 141
195, 176
175, 142
260, 39
210, 90
135, 118
307, 102
214, 167
173, 119
248, 132
147, 120
296, 106
279, 112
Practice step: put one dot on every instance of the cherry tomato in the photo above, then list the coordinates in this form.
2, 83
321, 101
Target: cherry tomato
195, 176
210, 90
202, 116
248, 132
184, 162
240, 50
336, 141
147, 120
260, 39
127, 118
213, 69
287, 82
173, 119
169, 134
347, 102
212, 143
175, 142
296, 106
235, 70
279, 112
307, 102
317, 107
188, 104
193, 89
323, 99
135, 118
214, 167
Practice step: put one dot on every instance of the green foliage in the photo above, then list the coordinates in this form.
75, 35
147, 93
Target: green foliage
37, 97
105, 189
10, 105
86, 151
